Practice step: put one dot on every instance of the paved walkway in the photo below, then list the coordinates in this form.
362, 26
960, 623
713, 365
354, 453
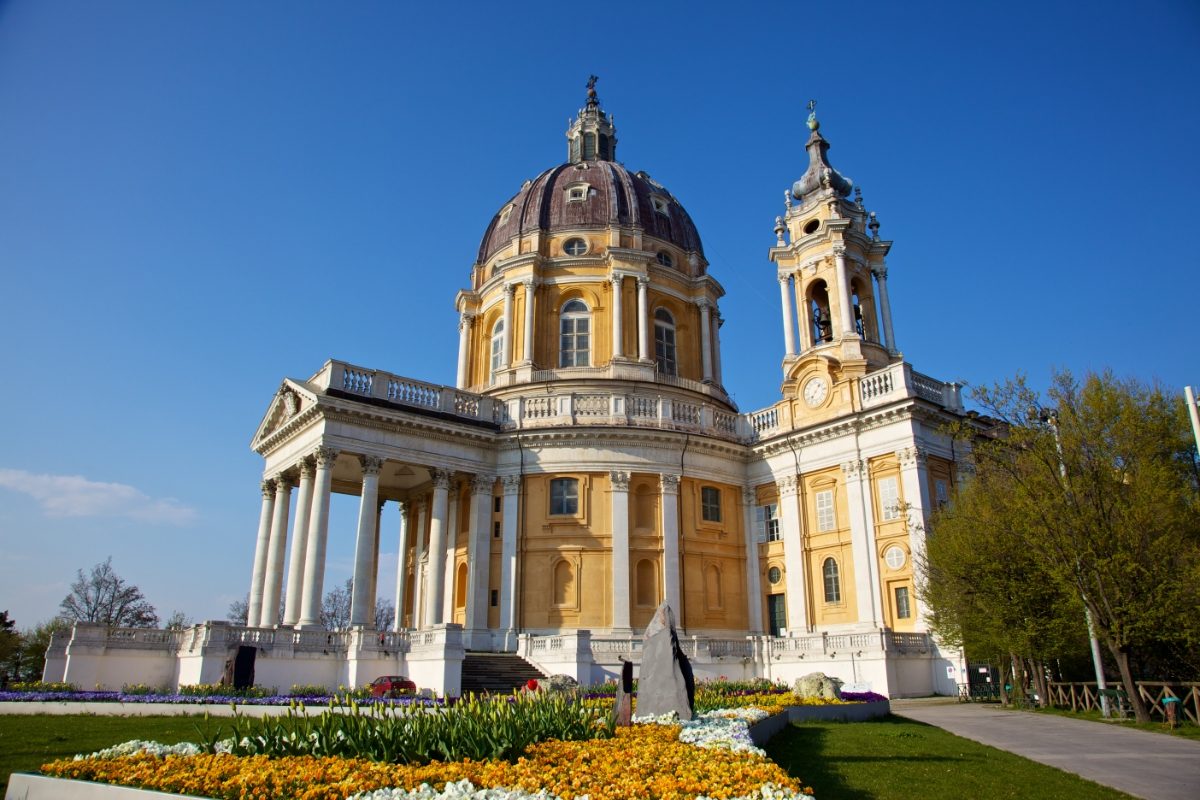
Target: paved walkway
1154, 766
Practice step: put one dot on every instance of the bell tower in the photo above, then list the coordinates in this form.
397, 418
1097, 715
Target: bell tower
830, 262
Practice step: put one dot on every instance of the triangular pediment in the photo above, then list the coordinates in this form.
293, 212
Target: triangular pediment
291, 399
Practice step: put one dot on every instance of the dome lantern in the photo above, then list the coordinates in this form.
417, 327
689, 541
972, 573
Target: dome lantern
592, 135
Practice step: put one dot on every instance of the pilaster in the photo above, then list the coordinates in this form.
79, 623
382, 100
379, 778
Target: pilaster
620, 551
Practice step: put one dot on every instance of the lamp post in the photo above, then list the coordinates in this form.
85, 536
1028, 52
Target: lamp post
1051, 419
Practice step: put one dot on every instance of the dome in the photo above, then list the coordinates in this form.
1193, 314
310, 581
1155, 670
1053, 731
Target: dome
591, 194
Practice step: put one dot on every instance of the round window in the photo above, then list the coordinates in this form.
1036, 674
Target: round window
774, 575
575, 247
811, 226
894, 556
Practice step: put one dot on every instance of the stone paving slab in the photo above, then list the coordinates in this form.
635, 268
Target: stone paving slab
1155, 766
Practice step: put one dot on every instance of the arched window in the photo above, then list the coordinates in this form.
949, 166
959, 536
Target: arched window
647, 583
589, 147
664, 342
833, 581
712, 587
460, 587
818, 309
574, 343
564, 584
497, 347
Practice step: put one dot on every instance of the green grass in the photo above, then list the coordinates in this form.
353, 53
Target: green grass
1187, 730
895, 758
27, 742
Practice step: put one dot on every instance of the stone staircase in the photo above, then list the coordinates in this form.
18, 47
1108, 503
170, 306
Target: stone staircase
496, 673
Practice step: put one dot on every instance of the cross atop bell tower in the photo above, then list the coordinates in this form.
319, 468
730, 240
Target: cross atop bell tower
591, 136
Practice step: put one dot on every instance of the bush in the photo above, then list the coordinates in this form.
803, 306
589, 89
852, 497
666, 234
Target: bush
42, 686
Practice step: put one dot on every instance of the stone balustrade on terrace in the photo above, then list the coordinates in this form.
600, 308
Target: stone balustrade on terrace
558, 400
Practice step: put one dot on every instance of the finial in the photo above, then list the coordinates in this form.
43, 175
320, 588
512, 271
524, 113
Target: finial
813, 125
787, 197
780, 229
874, 226
858, 201
591, 89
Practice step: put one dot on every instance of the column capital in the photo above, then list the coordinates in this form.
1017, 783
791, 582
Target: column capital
511, 484
749, 496
530, 284
307, 467
325, 456
643, 281
371, 465
620, 480
482, 484
854, 469
670, 483
703, 303
283, 483
268, 488
454, 492
788, 485
912, 456
441, 478
465, 319
509, 290
879, 271
839, 250
785, 278
616, 278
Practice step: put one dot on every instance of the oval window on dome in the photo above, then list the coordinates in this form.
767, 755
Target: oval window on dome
811, 226
575, 246
665, 259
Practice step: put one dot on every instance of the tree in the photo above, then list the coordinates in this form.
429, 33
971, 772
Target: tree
104, 597
10, 648
239, 611
178, 621
1095, 487
34, 643
335, 610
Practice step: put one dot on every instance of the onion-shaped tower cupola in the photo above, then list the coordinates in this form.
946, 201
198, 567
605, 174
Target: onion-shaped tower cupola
820, 172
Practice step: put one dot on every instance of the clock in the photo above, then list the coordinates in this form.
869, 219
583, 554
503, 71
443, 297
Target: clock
815, 391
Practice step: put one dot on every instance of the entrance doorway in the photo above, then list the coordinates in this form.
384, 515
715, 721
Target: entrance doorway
776, 614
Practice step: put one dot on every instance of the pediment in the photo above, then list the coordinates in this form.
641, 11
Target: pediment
290, 400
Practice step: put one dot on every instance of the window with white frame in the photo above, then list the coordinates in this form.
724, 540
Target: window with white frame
564, 496
577, 192
833, 581
889, 498
903, 606
497, 347
664, 342
574, 324
766, 518
664, 258
575, 246
710, 504
826, 516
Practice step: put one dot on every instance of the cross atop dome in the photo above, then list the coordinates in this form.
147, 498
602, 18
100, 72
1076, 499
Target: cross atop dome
591, 136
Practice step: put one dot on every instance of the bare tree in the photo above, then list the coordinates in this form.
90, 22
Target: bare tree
178, 621
385, 614
103, 596
335, 610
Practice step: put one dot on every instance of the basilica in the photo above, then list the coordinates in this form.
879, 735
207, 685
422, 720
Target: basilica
589, 464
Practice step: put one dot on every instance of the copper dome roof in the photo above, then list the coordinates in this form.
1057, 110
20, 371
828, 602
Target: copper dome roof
614, 196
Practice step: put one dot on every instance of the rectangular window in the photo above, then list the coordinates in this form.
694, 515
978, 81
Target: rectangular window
767, 522
564, 496
573, 342
496, 505
495, 597
943, 496
903, 609
710, 504
826, 518
496, 530
889, 498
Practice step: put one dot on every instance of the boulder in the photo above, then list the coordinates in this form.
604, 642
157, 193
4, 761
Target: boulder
665, 683
820, 685
560, 683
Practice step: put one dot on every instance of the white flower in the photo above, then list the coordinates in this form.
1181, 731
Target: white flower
460, 790
136, 746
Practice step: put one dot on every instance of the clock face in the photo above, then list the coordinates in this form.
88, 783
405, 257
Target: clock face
815, 391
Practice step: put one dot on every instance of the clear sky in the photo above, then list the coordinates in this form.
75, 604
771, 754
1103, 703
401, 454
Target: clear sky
198, 199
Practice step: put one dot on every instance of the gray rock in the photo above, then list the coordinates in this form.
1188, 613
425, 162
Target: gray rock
818, 684
665, 683
560, 683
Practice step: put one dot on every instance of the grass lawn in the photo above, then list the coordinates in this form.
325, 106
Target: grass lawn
1187, 730
901, 759
27, 742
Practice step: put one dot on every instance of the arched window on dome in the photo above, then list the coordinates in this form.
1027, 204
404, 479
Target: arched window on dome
664, 342
574, 340
818, 313
497, 348
833, 581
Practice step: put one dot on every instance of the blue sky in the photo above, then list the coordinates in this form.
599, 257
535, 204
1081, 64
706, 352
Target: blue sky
199, 199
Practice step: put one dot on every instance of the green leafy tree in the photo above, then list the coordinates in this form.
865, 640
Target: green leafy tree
10, 648
34, 643
103, 596
1094, 485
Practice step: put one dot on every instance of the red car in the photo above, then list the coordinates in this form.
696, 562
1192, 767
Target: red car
392, 686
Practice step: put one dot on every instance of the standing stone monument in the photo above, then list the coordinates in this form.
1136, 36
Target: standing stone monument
623, 702
665, 683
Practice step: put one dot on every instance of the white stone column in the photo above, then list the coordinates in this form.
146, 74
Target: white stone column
843, 292
273, 584
419, 576
506, 357
295, 579
754, 598
464, 342
716, 345
643, 319
451, 547
794, 561
374, 591
318, 535
618, 329
789, 319
862, 542
401, 569
508, 553
885, 305
527, 350
803, 316
914, 483
479, 559
258, 574
620, 551
705, 338
670, 531
362, 604
437, 548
